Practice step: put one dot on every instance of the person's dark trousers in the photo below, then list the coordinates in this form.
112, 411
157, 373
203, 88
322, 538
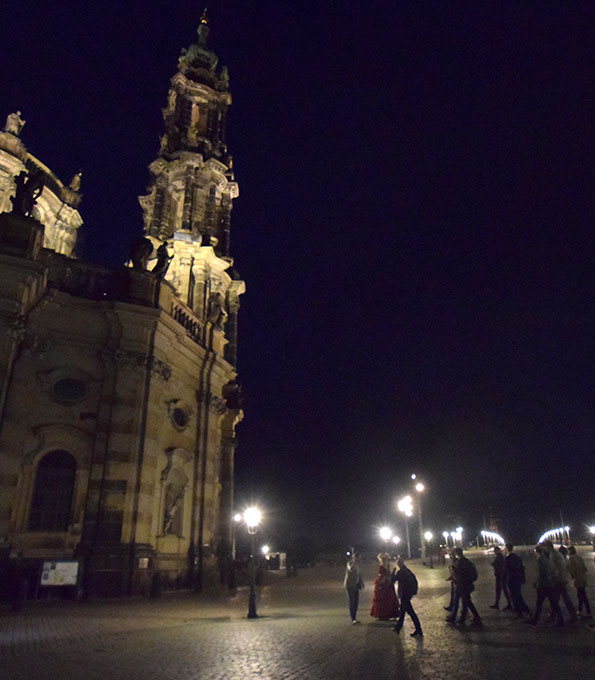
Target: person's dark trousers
583, 601
467, 604
562, 592
518, 602
353, 596
501, 587
550, 593
407, 608
455, 598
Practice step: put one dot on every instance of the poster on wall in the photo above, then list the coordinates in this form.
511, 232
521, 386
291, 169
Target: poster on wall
60, 573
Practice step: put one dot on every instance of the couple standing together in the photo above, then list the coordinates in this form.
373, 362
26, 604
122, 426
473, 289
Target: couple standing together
385, 603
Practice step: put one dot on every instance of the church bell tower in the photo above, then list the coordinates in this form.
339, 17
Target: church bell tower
188, 207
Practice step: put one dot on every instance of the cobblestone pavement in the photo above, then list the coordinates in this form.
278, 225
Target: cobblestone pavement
303, 632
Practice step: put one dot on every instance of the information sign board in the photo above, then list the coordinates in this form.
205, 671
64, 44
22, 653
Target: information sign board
60, 573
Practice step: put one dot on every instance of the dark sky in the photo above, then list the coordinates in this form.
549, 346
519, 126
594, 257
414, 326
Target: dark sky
414, 228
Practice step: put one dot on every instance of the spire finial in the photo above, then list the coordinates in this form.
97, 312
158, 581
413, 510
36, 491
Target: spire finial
203, 29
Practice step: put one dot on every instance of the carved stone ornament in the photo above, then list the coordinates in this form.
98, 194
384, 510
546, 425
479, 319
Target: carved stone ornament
216, 405
126, 359
17, 329
176, 457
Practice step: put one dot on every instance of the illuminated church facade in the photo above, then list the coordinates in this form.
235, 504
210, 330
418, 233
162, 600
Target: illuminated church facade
118, 392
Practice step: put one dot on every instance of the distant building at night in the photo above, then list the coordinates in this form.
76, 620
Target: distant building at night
118, 393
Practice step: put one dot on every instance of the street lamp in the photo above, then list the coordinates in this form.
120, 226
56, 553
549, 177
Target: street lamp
405, 506
419, 487
385, 533
252, 518
429, 536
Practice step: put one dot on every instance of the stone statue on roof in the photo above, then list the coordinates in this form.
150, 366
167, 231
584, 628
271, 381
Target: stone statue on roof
28, 189
14, 123
75, 182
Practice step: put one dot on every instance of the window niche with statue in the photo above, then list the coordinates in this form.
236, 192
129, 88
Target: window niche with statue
174, 483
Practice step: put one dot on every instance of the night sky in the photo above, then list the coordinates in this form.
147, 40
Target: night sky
413, 226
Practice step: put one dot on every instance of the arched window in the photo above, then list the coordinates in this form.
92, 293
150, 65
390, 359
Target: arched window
52, 494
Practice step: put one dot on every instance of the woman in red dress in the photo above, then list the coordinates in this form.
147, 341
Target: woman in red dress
385, 604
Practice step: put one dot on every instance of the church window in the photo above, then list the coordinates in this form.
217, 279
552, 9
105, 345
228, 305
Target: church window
52, 493
68, 390
180, 417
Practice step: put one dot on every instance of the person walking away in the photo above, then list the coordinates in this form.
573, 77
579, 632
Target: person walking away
545, 586
498, 565
578, 573
514, 577
465, 575
353, 583
385, 604
453, 605
406, 590
561, 579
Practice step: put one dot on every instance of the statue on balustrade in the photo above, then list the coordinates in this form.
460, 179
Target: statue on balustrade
163, 261
28, 189
14, 123
140, 252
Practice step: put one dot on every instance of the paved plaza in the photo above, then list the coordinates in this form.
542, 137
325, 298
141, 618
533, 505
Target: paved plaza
303, 632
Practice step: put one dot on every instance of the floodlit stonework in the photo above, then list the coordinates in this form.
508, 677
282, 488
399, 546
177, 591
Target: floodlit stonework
118, 392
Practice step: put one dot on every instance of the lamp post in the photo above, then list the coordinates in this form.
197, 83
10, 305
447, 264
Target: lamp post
429, 536
419, 487
237, 518
252, 518
405, 506
592, 532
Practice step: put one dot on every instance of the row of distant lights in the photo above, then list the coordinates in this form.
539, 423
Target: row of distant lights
493, 537
557, 534
456, 535
386, 534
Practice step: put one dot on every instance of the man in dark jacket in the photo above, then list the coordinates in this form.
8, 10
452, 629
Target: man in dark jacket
406, 590
545, 585
514, 576
501, 586
465, 576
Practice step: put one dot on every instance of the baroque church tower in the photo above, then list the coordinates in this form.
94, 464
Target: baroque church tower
192, 188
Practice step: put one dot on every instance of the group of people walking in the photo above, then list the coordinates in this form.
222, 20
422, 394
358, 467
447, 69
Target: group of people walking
556, 570
387, 603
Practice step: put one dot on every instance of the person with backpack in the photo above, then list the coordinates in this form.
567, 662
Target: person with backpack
465, 576
514, 576
407, 588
